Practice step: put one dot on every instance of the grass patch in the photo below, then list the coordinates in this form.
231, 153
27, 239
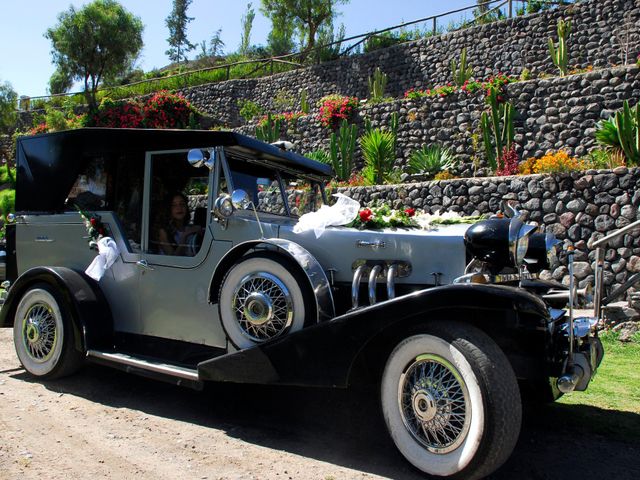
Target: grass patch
611, 405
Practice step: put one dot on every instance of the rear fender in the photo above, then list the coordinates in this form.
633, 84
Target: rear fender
308, 264
90, 310
325, 354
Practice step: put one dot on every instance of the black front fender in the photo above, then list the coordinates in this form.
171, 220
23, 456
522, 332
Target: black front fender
91, 314
324, 354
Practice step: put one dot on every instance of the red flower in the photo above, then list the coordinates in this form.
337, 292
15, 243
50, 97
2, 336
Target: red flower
93, 222
365, 215
410, 211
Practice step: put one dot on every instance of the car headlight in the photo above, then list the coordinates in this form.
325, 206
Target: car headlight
519, 233
499, 242
543, 252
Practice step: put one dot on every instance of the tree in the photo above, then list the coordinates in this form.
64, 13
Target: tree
61, 81
247, 25
307, 16
280, 39
8, 103
177, 22
100, 40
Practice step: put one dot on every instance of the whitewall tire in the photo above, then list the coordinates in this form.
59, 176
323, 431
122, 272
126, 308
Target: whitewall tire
43, 334
262, 298
451, 402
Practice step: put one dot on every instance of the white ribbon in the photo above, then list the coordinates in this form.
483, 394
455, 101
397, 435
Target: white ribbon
107, 254
344, 211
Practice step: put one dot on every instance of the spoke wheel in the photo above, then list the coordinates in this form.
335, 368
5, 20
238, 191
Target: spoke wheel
263, 297
263, 306
434, 403
451, 401
42, 334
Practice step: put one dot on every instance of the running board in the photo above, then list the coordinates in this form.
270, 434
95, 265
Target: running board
147, 367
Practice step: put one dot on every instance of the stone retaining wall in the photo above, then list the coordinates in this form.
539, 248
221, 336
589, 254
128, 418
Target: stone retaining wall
604, 33
552, 114
579, 208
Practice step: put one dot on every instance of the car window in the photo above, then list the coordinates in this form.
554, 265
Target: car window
178, 200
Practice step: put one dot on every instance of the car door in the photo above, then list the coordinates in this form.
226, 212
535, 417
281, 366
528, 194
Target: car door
174, 282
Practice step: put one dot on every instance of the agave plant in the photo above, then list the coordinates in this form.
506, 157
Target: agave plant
430, 160
320, 156
377, 147
622, 132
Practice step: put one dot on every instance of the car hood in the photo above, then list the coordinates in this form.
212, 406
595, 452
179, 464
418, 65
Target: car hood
428, 252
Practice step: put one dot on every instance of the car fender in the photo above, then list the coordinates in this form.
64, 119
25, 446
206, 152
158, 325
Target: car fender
324, 354
312, 269
91, 315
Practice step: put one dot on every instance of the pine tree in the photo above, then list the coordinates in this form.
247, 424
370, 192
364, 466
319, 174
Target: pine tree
177, 21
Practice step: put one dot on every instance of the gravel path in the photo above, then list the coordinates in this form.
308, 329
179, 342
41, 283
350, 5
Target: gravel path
102, 423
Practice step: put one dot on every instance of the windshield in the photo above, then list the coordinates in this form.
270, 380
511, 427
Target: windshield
273, 191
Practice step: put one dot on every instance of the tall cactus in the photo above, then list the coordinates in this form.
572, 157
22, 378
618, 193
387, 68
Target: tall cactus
464, 73
341, 148
377, 85
497, 128
560, 53
627, 123
270, 131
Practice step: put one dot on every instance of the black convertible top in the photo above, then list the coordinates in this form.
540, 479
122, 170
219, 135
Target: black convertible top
48, 164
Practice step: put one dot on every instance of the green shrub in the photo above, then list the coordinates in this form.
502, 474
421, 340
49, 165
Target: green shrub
7, 202
377, 147
430, 160
7, 175
249, 110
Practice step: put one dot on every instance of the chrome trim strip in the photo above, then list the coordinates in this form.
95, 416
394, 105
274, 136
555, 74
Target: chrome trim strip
164, 368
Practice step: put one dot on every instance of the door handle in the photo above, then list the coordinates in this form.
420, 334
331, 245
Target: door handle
144, 264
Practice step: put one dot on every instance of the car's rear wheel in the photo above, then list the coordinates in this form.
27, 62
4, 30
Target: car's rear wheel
262, 298
43, 334
451, 403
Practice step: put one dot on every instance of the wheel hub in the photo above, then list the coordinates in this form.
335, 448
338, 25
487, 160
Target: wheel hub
424, 405
258, 308
33, 332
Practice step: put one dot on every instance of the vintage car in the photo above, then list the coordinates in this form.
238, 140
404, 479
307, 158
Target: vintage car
451, 323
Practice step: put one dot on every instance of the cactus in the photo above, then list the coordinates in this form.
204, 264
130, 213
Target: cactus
627, 123
464, 73
497, 128
304, 102
341, 148
270, 131
560, 53
377, 85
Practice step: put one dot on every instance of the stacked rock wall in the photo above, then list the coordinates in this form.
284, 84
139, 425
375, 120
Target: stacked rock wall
604, 33
551, 114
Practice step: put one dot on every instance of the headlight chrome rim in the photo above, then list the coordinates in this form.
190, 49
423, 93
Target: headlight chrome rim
519, 233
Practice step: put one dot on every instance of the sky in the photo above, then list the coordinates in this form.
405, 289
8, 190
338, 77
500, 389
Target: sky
26, 54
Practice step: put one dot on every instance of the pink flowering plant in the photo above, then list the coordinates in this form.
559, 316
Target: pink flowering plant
508, 164
335, 108
470, 87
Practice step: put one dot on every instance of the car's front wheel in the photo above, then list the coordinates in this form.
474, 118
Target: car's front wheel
43, 334
263, 297
451, 403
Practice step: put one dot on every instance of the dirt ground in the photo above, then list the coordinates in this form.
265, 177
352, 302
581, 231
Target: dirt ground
102, 423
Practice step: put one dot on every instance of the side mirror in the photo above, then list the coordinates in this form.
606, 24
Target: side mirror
198, 158
240, 199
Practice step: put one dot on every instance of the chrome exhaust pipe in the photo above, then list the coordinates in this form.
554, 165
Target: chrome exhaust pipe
392, 273
373, 277
567, 383
355, 285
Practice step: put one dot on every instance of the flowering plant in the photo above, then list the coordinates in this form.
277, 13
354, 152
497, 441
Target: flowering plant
470, 87
95, 228
335, 108
167, 110
286, 119
558, 162
118, 114
638, 60
385, 217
